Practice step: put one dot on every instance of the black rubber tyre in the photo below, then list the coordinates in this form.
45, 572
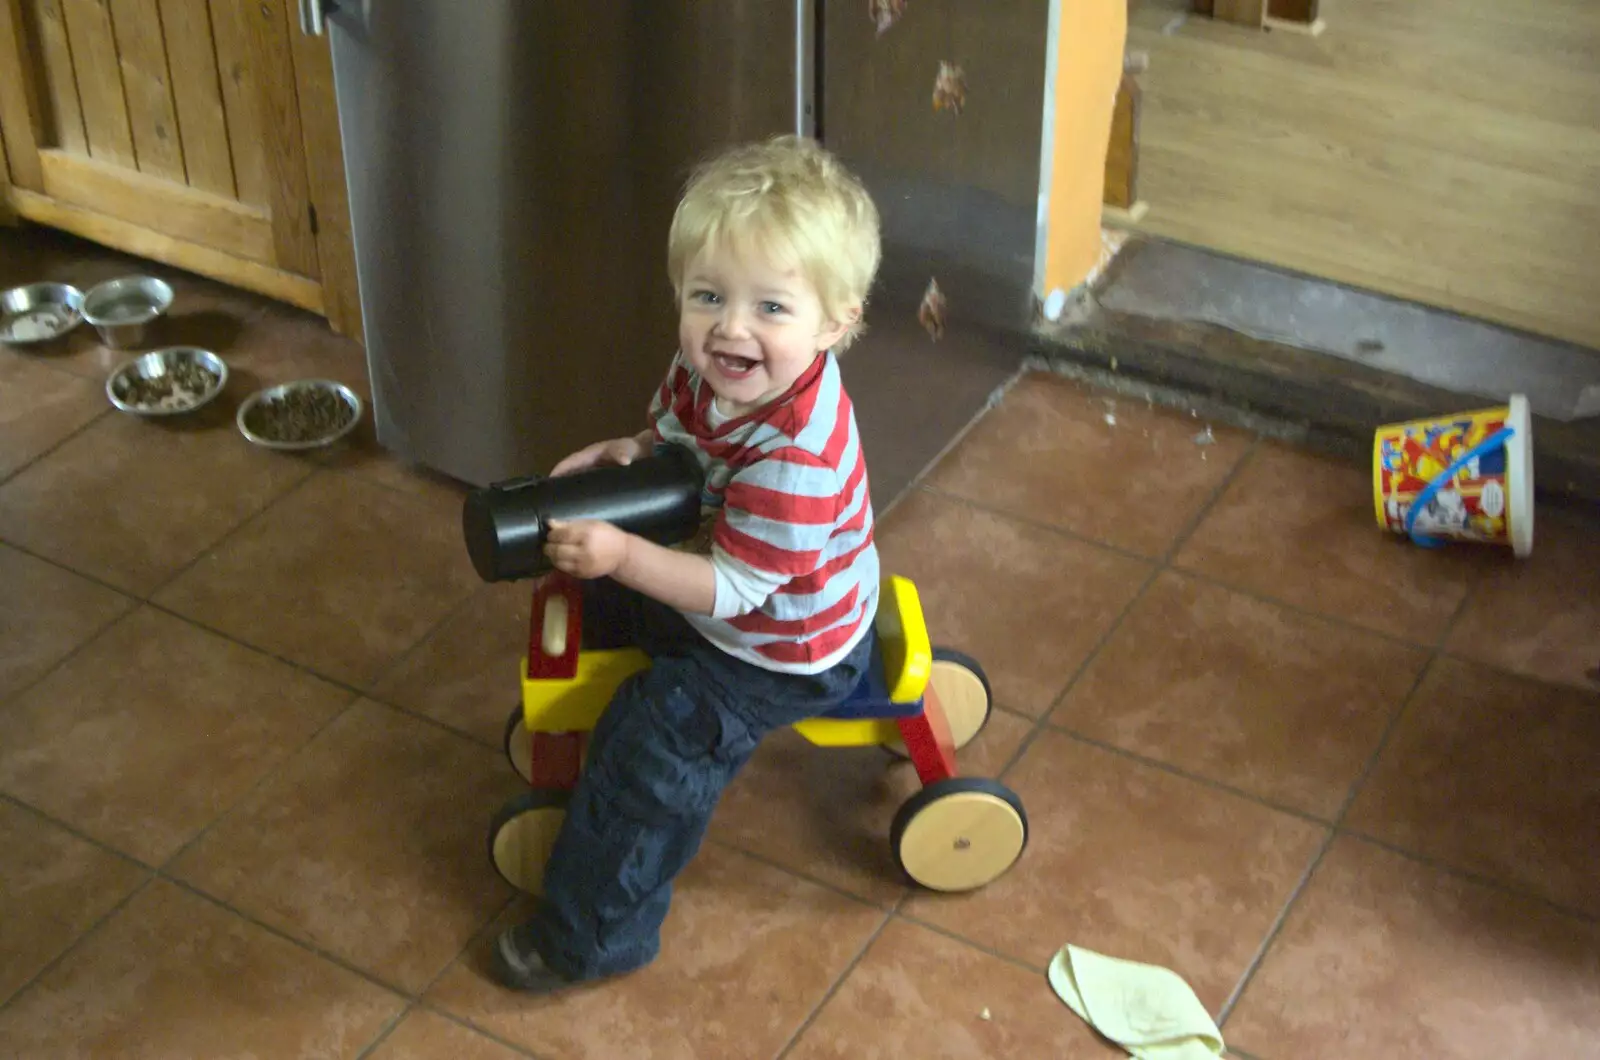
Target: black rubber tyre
518, 745
523, 833
967, 697
959, 834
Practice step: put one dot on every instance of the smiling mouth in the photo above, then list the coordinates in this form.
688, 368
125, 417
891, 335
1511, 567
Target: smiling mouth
734, 367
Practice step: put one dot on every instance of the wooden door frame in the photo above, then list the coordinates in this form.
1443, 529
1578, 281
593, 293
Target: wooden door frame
309, 223
19, 102
327, 191
1120, 205
8, 216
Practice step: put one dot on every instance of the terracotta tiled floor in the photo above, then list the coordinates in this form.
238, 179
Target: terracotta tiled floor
250, 708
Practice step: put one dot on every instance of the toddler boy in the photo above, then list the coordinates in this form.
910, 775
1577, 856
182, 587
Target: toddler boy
772, 251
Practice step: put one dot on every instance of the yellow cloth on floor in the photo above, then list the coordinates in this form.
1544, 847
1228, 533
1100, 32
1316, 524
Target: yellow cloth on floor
1148, 1010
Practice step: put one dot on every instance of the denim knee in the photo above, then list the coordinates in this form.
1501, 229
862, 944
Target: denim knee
668, 752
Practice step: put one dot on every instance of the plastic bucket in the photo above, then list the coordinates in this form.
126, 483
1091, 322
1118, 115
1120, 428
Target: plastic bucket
1462, 477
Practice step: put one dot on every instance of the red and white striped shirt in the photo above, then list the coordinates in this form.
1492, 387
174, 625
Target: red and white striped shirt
792, 542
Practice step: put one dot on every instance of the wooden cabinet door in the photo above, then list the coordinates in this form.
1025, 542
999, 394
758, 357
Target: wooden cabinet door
173, 129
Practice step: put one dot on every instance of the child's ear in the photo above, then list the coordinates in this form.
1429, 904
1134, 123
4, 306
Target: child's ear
833, 330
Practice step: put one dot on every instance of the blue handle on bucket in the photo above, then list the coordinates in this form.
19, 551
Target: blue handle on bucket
1494, 441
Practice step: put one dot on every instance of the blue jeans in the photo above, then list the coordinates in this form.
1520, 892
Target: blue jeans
672, 739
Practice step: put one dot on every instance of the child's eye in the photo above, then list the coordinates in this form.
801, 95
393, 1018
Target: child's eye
772, 308
705, 297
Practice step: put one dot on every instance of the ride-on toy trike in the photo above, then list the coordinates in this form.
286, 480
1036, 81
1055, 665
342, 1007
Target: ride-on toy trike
955, 834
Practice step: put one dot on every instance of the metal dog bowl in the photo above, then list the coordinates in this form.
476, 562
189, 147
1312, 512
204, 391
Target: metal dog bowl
167, 378
39, 313
342, 397
121, 310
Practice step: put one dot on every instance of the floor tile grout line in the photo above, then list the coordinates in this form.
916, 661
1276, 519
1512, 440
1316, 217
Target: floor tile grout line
1274, 930
1259, 958
163, 873
1245, 459
278, 932
893, 913
989, 951
816, 881
1042, 722
1163, 558
499, 912
897, 912
834, 988
72, 947
420, 1002
358, 692
59, 565
1157, 567
430, 720
1168, 563
1168, 559
387, 1029
332, 463
150, 874
232, 532
1299, 610
267, 776
888, 911
1037, 524
76, 832
145, 600
357, 695
57, 362
1356, 787
466, 1024
432, 631
1198, 778
1444, 868
1435, 654
16, 694
11, 476
900, 913
1553, 684
239, 642
165, 870
920, 479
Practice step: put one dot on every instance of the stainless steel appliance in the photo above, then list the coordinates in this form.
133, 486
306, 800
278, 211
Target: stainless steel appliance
513, 165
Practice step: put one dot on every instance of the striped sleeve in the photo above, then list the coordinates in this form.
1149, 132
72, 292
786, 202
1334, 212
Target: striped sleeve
664, 401
777, 517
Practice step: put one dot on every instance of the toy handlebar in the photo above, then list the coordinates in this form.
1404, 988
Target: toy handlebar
506, 524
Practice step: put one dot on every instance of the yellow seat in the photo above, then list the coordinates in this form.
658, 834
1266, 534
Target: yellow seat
904, 651
903, 641
906, 656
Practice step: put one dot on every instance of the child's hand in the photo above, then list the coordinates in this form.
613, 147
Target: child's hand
586, 549
618, 451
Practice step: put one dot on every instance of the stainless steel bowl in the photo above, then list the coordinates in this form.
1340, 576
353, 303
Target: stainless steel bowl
39, 313
121, 310
165, 365
342, 393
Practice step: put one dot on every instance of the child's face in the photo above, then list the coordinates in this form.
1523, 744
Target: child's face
749, 327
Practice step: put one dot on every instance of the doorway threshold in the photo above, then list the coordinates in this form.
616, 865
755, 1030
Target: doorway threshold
1326, 363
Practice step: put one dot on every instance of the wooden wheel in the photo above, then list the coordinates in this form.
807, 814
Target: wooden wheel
522, 835
518, 743
963, 691
959, 834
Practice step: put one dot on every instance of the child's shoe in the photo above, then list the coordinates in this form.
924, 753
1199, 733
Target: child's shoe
517, 963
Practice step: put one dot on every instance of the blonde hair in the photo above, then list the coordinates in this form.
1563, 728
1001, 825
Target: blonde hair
796, 202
